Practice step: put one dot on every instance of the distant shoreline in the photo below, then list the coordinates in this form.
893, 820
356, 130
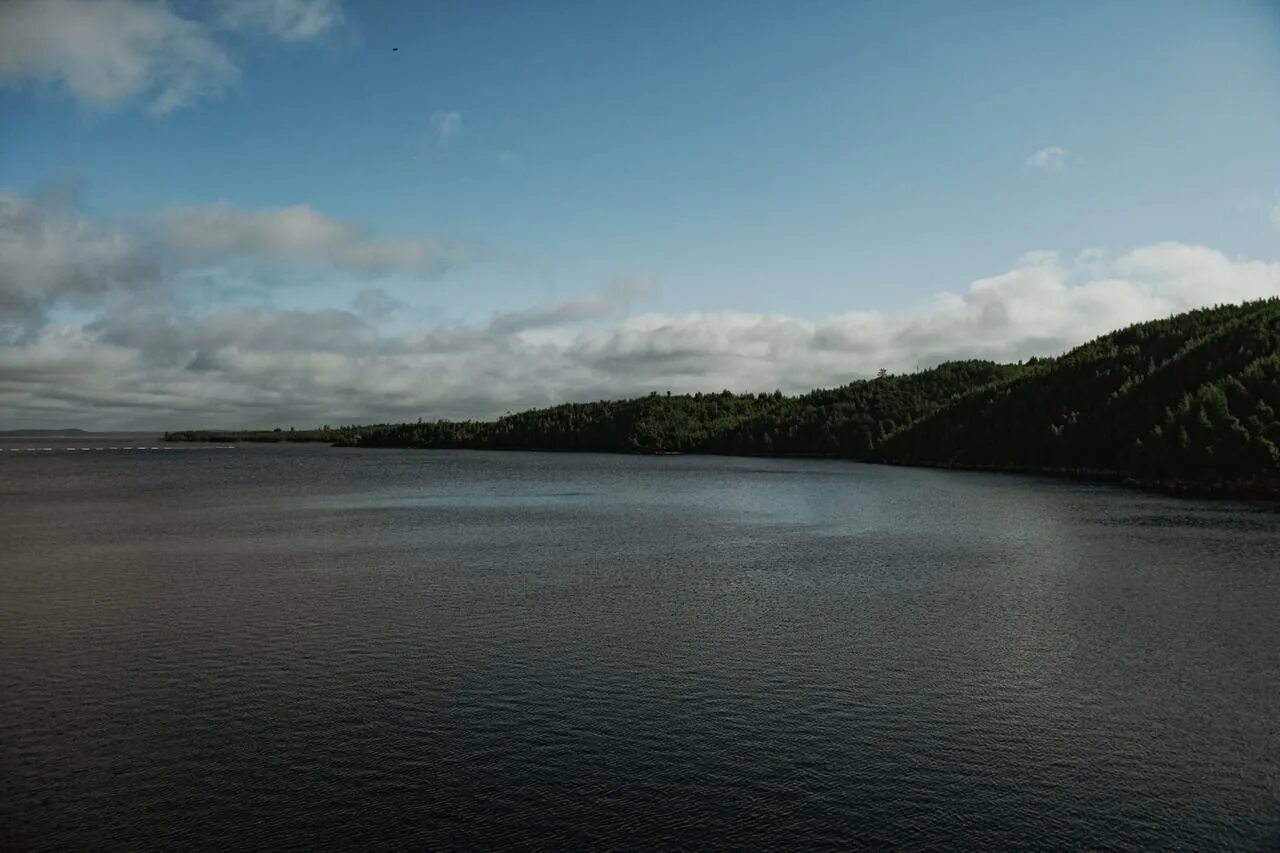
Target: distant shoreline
42, 433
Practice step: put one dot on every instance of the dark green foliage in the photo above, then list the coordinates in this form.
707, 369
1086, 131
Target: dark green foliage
1187, 402
846, 421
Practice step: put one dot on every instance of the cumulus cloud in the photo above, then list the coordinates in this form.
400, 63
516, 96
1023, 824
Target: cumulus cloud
107, 52
297, 234
446, 126
1052, 158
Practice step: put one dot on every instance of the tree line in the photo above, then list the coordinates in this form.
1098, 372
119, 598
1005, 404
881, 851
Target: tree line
1188, 402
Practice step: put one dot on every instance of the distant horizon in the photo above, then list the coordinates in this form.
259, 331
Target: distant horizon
55, 432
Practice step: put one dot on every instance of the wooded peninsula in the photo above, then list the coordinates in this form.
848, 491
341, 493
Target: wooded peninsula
1185, 404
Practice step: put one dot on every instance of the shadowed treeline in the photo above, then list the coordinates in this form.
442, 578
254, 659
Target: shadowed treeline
1186, 403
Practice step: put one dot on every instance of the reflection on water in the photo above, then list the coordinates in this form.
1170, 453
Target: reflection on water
302, 646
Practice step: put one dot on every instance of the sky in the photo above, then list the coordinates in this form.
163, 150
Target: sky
256, 213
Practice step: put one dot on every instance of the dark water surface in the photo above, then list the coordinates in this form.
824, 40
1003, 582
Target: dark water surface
309, 648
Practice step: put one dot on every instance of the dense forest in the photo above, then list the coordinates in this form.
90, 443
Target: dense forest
1185, 403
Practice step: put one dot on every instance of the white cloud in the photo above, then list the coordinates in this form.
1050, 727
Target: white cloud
447, 126
108, 52
149, 356
1275, 215
297, 234
1053, 158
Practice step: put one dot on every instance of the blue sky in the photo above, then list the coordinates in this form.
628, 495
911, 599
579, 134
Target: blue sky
804, 160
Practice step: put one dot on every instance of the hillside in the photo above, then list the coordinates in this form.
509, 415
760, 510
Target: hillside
845, 421
1185, 403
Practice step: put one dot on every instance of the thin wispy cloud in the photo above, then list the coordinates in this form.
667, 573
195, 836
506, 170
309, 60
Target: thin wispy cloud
1275, 215
106, 53
289, 20
1052, 158
298, 234
446, 126
615, 299
375, 304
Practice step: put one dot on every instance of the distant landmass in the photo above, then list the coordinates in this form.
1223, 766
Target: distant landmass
1185, 404
38, 433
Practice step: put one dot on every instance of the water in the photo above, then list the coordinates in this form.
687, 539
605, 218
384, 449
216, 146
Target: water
306, 647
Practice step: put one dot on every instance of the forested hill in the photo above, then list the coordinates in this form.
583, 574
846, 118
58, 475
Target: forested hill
845, 421
1188, 402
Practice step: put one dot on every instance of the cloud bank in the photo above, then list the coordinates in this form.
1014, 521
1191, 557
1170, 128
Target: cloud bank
108, 52
95, 329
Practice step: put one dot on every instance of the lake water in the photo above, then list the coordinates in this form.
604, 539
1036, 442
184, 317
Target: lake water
306, 647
